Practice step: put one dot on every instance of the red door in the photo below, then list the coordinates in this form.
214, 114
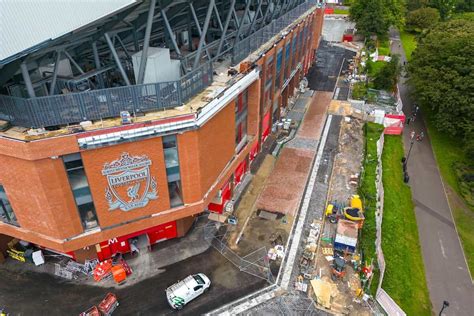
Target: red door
266, 125
120, 244
163, 232
239, 172
225, 196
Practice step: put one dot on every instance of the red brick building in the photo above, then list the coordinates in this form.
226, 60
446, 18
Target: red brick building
86, 192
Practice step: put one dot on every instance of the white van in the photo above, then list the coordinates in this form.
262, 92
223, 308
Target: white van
182, 292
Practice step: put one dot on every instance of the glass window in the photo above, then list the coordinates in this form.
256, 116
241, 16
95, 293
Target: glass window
171, 157
6, 212
174, 188
295, 39
169, 141
279, 65
170, 148
80, 189
241, 105
268, 91
198, 279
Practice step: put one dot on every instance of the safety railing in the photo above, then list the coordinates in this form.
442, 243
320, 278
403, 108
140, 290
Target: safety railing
251, 43
104, 103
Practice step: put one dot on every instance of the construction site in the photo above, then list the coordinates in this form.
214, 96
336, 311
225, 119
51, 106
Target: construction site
244, 164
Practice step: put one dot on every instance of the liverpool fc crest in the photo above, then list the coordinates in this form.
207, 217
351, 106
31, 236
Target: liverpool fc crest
130, 185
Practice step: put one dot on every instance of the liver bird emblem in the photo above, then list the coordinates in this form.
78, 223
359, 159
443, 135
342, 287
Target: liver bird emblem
132, 192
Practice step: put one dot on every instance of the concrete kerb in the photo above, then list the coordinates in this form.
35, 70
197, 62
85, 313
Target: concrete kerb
284, 274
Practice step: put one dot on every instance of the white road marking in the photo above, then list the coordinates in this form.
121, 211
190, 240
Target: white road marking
442, 248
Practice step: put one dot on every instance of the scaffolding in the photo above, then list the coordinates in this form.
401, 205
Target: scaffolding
255, 263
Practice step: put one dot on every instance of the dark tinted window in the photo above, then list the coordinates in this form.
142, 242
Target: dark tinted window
198, 279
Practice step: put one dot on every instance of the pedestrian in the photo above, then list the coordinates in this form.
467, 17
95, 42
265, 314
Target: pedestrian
420, 136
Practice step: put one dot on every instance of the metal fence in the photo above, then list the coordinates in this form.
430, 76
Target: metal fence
256, 263
104, 103
244, 47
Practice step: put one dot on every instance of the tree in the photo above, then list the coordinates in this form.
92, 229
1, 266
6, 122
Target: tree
386, 78
416, 4
464, 6
421, 19
445, 7
376, 16
442, 75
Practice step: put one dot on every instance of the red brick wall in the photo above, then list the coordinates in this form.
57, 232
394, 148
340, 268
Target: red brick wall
40, 196
216, 145
39, 149
253, 109
188, 149
94, 161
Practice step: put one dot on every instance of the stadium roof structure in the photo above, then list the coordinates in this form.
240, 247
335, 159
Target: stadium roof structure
60, 61
27, 25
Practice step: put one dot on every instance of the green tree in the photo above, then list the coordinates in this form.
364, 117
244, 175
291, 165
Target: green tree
416, 4
465, 6
376, 16
442, 75
421, 19
445, 7
386, 78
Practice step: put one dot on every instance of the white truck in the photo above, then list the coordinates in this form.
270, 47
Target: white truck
184, 291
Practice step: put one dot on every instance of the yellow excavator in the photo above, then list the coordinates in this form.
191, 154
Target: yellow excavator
355, 211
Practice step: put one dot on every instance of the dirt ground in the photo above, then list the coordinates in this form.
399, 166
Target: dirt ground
246, 208
343, 184
348, 161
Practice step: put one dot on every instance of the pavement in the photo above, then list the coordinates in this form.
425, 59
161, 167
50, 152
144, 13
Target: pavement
447, 274
285, 186
329, 62
334, 27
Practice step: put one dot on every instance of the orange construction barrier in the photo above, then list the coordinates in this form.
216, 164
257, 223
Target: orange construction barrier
119, 273
102, 270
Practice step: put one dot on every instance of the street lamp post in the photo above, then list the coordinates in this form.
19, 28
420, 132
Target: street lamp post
405, 159
445, 304
409, 151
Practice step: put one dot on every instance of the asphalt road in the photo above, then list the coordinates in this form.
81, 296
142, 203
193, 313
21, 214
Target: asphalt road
42, 294
446, 269
329, 59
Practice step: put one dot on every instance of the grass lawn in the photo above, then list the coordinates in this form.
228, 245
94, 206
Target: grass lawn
384, 48
341, 11
409, 43
404, 278
375, 67
448, 152
367, 191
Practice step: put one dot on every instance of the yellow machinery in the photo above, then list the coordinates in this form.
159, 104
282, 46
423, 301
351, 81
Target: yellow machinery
329, 209
355, 212
356, 202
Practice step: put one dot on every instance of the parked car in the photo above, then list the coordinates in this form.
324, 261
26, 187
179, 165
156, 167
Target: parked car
184, 291
105, 308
